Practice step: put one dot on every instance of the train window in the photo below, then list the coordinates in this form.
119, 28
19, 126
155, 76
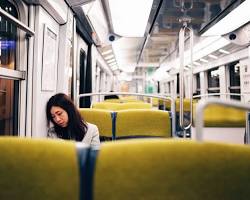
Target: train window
213, 77
178, 85
8, 106
234, 77
9, 85
8, 37
198, 85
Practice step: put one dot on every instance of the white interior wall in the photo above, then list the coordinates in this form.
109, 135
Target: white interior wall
41, 96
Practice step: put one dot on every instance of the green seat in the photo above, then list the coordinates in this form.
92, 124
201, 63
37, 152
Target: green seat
221, 116
101, 118
38, 169
160, 169
121, 106
143, 122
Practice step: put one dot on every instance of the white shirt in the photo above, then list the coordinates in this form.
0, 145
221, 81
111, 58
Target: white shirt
91, 137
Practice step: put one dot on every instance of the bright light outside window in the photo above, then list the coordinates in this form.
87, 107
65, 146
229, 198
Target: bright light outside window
235, 19
130, 17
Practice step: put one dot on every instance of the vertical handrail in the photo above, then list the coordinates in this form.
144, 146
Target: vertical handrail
181, 77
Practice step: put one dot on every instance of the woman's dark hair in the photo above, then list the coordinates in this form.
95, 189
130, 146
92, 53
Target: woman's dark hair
76, 128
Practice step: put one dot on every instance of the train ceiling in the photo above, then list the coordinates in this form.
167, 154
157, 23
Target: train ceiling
160, 39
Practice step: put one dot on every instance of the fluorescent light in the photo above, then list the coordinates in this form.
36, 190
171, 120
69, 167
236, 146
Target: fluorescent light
130, 17
197, 64
115, 67
107, 52
109, 57
204, 60
235, 19
113, 63
224, 51
110, 61
213, 56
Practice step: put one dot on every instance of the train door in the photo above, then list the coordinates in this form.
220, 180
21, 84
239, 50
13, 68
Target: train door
234, 79
213, 80
84, 73
12, 68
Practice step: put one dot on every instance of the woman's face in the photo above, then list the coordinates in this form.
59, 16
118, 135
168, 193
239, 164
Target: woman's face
59, 116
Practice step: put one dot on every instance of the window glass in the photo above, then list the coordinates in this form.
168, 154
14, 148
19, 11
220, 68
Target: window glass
213, 76
8, 107
234, 77
8, 37
198, 87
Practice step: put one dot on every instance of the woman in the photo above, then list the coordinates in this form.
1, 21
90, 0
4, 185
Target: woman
68, 123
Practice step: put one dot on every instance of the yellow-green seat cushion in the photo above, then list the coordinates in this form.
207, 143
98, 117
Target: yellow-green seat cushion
106, 105
221, 116
121, 106
101, 118
38, 169
166, 169
143, 122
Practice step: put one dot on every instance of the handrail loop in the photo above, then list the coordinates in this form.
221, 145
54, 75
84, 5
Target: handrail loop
181, 77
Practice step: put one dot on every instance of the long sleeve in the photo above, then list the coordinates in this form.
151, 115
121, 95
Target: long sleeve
92, 136
51, 133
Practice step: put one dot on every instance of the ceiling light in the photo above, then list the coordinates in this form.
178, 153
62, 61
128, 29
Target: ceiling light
115, 67
110, 61
112, 64
107, 52
224, 51
109, 57
235, 19
204, 60
126, 19
197, 64
212, 56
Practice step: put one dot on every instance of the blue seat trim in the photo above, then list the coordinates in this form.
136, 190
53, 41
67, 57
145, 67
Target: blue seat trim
90, 173
82, 154
113, 116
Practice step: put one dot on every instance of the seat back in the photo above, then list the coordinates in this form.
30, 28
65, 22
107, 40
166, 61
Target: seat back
169, 169
221, 116
38, 169
101, 118
121, 106
143, 122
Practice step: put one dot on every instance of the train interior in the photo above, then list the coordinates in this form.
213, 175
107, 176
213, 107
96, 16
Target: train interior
167, 83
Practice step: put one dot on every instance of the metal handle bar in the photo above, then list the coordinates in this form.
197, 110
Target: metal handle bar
181, 77
213, 94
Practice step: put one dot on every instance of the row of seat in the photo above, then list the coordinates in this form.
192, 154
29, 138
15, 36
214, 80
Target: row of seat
152, 169
129, 123
214, 115
106, 105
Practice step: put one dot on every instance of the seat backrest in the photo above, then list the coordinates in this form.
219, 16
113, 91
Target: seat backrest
171, 169
101, 118
221, 116
38, 169
143, 122
121, 106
